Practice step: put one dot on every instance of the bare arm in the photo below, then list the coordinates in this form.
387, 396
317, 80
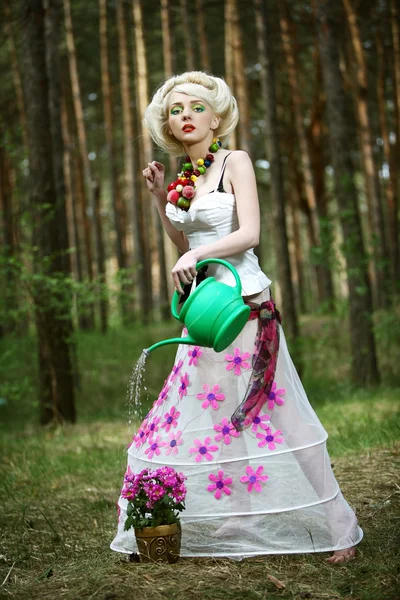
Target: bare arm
154, 175
241, 175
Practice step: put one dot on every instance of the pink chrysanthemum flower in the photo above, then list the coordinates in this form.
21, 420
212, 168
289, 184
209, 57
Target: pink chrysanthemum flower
275, 397
194, 354
260, 421
153, 426
155, 446
203, 450
171, 419
237, 361
226, 431
174, 441
183, 387
269, 438
254, 478
220, 484
175, 371
163, 394
211, 396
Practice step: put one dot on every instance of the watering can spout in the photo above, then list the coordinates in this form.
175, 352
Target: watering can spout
186, 340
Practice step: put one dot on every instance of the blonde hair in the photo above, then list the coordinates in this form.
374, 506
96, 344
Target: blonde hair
208, 88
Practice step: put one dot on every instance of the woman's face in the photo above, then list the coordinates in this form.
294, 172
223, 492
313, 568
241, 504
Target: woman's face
190, 119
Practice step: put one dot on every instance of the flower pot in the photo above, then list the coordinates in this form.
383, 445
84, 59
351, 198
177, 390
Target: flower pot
159, 544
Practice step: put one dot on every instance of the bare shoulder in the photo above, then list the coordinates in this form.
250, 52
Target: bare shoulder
239, 164
237, 157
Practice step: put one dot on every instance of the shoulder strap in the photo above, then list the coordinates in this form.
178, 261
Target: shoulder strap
220, 187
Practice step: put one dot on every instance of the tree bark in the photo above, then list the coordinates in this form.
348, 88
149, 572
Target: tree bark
87, 191
391, 186
101, 260
395, 18
9, 300
323, 272
187, 34
267, 76
19, 95
240, 80
379, 245
159, 261
52, 306
202, 35
229, 66
117, 202
364, 363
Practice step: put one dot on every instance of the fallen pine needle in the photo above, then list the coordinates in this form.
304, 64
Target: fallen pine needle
276, 582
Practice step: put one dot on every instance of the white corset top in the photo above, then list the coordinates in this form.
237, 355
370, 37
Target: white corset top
210, 218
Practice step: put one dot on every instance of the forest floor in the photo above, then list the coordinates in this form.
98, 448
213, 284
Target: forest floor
59, 486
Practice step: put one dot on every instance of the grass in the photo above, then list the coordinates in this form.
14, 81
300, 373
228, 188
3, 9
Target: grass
59, 485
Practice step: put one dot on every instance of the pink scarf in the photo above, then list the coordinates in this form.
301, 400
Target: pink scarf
264, 362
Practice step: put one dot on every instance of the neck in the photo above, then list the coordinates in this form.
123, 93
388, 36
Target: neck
199, 149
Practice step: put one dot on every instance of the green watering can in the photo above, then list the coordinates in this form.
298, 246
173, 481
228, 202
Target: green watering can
214, 314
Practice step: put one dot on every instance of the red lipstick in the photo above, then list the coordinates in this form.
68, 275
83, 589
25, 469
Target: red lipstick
188, 128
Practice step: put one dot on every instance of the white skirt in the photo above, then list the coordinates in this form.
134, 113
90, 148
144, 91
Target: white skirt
269, 489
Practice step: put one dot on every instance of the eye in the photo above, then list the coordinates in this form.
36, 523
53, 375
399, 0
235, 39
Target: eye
199, 108
176, 110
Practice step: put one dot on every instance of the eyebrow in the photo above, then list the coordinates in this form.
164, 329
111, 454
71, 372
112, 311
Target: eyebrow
191, 102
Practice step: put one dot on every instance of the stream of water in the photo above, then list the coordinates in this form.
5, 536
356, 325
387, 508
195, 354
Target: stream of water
136, 382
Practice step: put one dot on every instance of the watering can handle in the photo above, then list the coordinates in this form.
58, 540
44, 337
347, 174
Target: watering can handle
206, 261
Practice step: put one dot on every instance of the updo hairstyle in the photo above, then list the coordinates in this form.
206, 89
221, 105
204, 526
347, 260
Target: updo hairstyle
212, 90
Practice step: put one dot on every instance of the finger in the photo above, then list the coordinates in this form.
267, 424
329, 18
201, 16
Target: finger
159, 165
188, 274
183, 277
193, 271
153, 168
177, 283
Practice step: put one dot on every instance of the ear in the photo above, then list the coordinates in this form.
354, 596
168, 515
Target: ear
215, 123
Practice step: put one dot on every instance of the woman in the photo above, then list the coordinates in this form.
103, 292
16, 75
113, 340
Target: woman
258, 473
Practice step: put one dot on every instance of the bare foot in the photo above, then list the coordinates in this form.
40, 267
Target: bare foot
341, 556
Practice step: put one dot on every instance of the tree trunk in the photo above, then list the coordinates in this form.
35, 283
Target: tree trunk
171, 250
84, 226
16, 71
370, 173
364, 363
229, 67
9, 300
87, 193
240, 80
187, 34
101, 260
132, 199
159, 262
117, 202
166, 37
391, 186
298, 251
52, 306
267, 76
202, 36
395, 17
323, 274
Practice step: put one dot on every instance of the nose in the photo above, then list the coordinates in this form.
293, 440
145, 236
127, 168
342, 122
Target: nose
185, 114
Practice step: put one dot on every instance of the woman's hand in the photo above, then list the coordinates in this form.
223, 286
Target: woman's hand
154, 175
185, 270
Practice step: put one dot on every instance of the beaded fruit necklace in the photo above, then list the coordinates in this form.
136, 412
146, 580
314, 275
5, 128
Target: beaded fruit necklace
183, 189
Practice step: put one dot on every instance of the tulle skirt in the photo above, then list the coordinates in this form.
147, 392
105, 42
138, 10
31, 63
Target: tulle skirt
268, 489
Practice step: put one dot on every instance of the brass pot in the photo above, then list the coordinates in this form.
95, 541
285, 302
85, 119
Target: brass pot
159, 544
